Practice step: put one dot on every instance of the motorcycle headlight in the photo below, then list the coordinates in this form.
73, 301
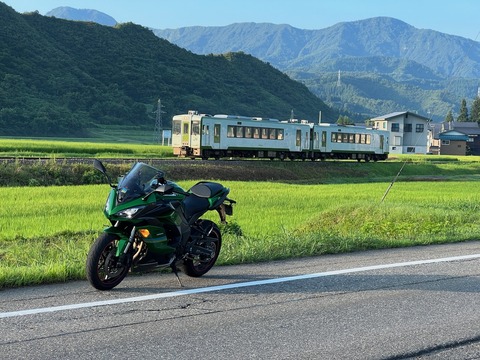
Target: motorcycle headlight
130, 212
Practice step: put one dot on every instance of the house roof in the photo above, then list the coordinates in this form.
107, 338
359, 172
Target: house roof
400, 113
469, 128
453, 135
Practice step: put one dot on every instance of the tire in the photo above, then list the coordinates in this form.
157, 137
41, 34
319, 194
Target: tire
198, 266
103, 270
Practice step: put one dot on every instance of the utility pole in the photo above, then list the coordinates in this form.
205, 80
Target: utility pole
157, 131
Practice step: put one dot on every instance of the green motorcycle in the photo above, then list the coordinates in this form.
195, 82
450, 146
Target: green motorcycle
156, 224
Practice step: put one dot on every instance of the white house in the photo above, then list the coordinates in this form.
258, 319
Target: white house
408, 132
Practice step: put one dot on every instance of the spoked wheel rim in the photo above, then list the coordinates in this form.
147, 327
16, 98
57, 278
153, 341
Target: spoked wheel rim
104, 268
108, 269
201, 263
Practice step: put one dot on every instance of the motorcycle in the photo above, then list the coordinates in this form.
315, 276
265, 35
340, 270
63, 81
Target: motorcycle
156, 224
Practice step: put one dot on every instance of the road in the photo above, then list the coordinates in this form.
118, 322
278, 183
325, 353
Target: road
419, 302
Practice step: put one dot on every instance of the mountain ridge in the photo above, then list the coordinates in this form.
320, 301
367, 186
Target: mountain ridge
69, 13
437, 69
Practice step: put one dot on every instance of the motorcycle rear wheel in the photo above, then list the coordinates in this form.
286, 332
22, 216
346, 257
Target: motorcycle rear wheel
200, 266
104, 271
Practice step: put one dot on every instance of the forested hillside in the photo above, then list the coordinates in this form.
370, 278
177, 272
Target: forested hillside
61, 78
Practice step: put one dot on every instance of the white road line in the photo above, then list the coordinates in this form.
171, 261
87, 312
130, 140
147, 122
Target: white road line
230, 286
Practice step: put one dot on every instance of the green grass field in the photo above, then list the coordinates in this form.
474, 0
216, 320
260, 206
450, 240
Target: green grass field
303, 209
45, 232
34, 148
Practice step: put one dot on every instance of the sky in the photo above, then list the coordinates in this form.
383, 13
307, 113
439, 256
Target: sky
460, 17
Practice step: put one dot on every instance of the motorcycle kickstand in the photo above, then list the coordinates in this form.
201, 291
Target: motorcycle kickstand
175, 271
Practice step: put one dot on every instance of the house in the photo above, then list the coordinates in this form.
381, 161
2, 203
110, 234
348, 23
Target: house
408, 132
453, 142
454, 138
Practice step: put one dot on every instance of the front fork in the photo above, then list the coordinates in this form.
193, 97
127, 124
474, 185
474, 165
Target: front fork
124, 244
123, 256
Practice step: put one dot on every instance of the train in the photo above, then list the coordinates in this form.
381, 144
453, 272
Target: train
206, 136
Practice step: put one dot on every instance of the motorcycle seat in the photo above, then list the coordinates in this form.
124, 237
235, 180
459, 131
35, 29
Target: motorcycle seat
206, 189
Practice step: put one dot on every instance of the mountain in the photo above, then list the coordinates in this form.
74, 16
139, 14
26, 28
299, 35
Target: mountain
60, 78
68, 13
385, 64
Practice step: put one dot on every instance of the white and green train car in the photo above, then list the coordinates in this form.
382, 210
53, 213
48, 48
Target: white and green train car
206, 136
349, 142
199, 135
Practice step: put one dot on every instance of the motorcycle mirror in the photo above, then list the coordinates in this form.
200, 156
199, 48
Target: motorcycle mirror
97, 164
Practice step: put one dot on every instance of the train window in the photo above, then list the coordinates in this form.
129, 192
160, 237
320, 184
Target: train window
351, 138
279, 134
369, 139
256, 133
273, 134
239, 132
324, 138
177, 127
230, 131
345, 138
186, 125
205, 130
264, 133
357, 138
195, 128
334, 137
248, 132
362, 139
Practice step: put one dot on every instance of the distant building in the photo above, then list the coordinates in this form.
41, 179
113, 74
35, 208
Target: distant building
408, 132
453, 142
455, 138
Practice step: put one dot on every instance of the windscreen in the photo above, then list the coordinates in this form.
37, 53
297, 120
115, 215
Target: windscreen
137, 182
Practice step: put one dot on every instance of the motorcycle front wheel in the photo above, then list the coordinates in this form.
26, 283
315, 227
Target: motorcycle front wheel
104, 270
200, 265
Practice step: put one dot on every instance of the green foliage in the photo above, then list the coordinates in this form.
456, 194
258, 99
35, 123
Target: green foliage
463, 117
475, 112
63, 78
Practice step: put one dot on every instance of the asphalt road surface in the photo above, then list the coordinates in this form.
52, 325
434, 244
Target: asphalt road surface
420, 302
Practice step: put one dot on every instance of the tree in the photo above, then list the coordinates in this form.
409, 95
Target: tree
463, 117
475, 112
344, 120
449, 117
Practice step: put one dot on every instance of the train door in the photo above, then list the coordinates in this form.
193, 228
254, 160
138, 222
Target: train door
206, 135
186, 132
195, 134
217, 128
323, 145
177, 136
298, 140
